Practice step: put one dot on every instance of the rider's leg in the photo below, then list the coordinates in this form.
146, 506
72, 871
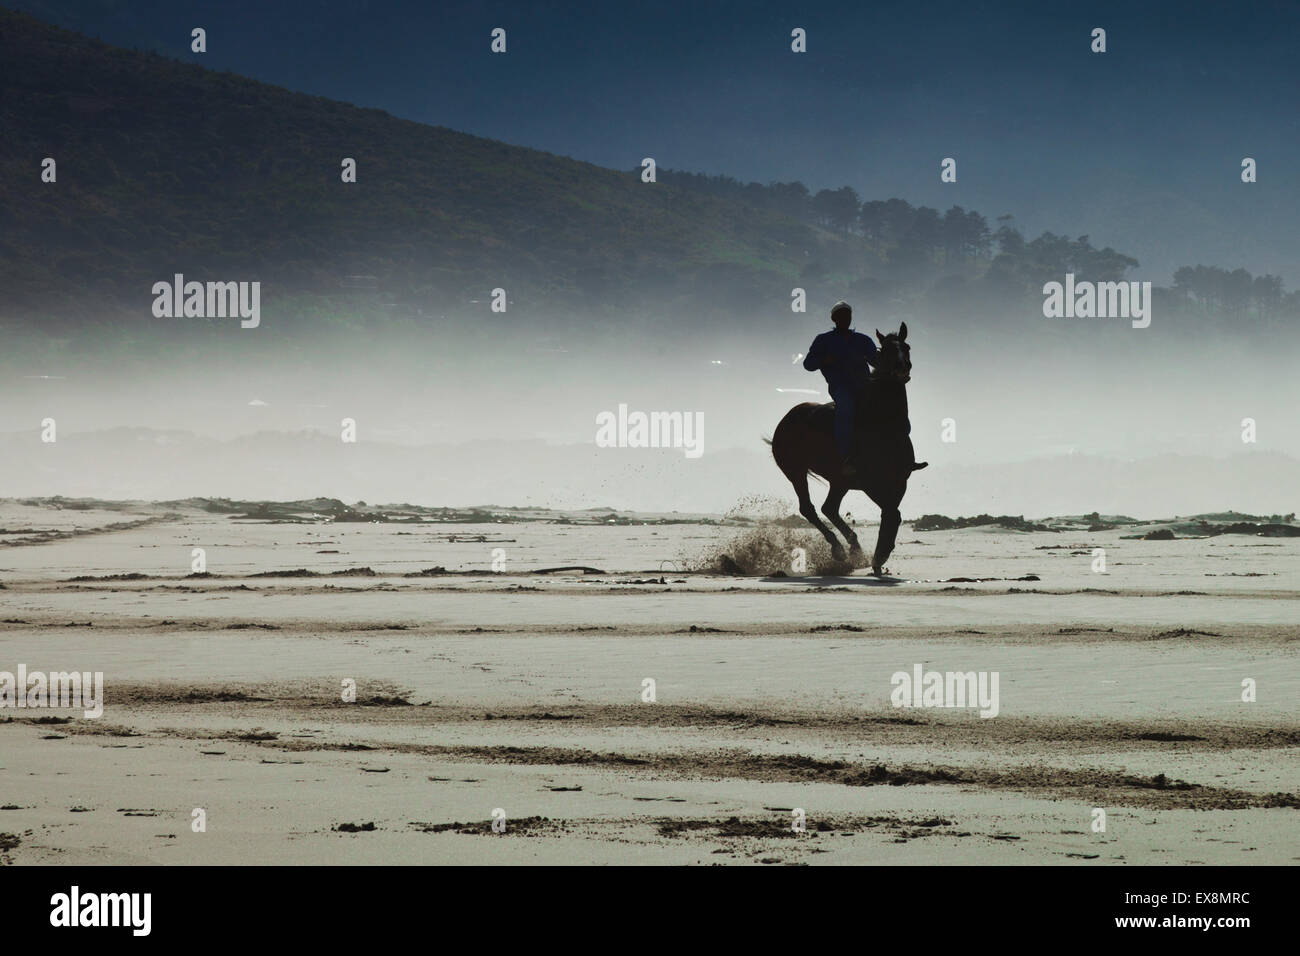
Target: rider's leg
844, 400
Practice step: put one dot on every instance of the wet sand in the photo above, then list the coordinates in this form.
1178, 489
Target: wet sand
523, 691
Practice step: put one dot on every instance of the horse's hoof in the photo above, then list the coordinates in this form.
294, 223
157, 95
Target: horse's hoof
918, 465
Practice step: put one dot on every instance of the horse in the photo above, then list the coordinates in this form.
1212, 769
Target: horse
804, 442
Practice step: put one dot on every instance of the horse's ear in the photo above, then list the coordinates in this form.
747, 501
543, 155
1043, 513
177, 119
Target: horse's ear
902, 332
879, 336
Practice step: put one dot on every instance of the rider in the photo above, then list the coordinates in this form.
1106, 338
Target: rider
843, 356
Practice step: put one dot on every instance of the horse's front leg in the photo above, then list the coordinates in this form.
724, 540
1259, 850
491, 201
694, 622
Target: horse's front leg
890, 519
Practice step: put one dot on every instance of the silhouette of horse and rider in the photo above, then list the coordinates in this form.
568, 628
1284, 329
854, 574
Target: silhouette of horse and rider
861, 440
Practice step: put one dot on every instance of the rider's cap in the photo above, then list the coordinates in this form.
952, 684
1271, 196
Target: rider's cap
841, 306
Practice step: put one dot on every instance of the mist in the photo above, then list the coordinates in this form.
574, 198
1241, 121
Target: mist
1059, 419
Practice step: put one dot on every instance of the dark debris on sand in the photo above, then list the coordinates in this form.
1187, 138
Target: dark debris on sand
524, 826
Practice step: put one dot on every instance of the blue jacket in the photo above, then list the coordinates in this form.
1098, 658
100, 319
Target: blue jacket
852, 354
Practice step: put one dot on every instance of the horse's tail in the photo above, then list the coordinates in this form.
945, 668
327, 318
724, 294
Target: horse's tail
772, 449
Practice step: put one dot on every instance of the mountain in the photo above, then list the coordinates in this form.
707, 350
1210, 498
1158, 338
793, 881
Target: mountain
165, 167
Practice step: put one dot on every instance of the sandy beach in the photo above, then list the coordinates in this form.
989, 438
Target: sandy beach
521, 693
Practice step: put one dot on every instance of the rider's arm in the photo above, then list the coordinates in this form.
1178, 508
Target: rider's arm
812, 361
872, 354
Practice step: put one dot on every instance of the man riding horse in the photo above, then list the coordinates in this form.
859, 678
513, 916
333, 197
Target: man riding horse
845, 359
860, 442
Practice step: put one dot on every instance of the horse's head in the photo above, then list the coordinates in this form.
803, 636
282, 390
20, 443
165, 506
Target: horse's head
895, 358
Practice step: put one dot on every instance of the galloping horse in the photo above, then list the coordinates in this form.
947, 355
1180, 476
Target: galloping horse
804, 442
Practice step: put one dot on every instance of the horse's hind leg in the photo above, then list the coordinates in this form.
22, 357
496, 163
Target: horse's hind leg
831, 509
800, 482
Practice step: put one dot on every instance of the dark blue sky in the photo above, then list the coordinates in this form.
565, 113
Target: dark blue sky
1139, 148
